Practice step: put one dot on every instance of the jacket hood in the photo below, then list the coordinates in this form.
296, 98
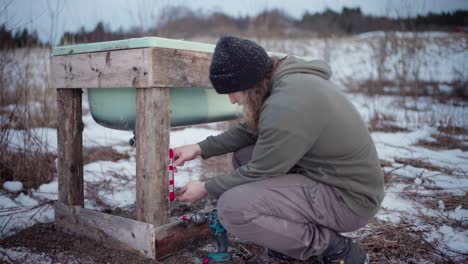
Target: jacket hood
296, 65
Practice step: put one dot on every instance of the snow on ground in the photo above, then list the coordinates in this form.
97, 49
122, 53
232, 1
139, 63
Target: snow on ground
115, 181
13, 186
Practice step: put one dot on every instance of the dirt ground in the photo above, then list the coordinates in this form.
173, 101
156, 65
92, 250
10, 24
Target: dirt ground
59, 247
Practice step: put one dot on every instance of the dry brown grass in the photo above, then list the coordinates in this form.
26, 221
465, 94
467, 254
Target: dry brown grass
102, 153
450, 201
420, 163
32, 168
443, 142
383, 123
449, 137
409, 89
392, 243
454, 130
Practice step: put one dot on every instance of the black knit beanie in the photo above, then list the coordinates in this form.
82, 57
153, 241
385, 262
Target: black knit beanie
238, 64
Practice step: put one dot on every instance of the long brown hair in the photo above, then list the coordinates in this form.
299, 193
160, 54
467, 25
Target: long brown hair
256, 96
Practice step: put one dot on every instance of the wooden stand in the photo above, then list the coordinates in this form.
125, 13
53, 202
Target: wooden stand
153, 71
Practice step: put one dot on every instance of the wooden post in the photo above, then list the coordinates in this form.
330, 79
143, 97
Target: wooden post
70, 147
152, 143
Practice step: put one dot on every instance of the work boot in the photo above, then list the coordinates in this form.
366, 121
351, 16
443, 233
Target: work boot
343, 250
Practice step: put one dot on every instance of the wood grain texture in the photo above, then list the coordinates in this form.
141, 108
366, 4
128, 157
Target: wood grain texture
152, 143
118, 68
70, 147
180, 68
109, 230
173, 237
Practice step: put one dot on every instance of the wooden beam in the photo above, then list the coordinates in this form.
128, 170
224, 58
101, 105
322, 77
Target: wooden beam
152, 143
114, 69
173, 237
128, 234
109, 230
180, 68
70, 147
140, 68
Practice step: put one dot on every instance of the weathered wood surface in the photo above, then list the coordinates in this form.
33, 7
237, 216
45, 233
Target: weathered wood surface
70, 147
109, 230
140, 68
118, 68
180, 68
173, 237
152, 143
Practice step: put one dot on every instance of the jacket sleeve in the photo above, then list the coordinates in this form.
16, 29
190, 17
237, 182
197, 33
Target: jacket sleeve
236, 137
284, 137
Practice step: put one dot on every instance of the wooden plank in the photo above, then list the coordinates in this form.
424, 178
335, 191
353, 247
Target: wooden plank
108, 230
152, 143
70, 147
118, 68
173, 237
180, 68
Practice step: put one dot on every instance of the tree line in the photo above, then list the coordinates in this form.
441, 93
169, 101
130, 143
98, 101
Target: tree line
182, 22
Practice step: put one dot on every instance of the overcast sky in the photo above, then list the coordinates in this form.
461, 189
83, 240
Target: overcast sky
70, 15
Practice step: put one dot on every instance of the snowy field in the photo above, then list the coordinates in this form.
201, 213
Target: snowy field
426, 186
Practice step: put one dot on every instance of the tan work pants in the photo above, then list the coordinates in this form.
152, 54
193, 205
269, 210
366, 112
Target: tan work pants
291, 214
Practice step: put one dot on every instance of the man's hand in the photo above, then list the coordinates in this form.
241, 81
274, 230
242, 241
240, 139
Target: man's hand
186, 153
192, 192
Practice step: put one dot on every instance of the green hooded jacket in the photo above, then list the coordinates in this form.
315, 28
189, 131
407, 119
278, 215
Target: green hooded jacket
306, 126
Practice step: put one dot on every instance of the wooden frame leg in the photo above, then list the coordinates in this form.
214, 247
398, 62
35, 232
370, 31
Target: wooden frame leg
152, 143
70, 147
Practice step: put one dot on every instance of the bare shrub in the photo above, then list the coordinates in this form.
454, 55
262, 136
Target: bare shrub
383, 122
460, 87
31, 167
23, 83
25, 103
380, 53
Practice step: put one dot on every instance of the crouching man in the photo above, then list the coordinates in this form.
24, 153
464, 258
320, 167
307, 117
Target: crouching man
306, 168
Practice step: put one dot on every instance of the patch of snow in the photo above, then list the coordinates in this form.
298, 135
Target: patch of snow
13, 186
25, 256
23, 217
119, 197
26, 200
191, 136
191, 171
458, 213
45, 140
418, 181
47, 191
450, 238
390, 217
6, 202
440, 205
445, 88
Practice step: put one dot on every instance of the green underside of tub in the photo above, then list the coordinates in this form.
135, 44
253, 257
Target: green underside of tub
116, 107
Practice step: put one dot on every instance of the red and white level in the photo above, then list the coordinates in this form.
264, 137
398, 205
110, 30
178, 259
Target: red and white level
171, 176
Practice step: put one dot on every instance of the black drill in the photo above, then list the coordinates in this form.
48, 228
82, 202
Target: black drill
211, 218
